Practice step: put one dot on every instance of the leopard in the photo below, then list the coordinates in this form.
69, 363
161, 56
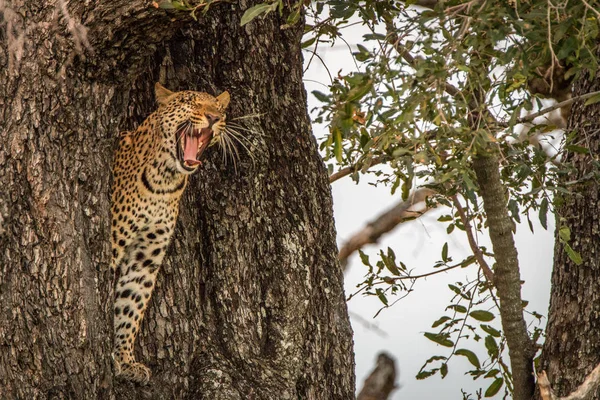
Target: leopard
151, 168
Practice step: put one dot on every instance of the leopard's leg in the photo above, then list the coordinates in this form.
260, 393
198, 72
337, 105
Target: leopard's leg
134, 288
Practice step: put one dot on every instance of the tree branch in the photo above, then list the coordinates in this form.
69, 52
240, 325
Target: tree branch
487, 271
584, 391
353, 168
531, 117
384, 223
507, 275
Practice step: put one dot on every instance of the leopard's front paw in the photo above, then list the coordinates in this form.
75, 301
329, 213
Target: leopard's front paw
135, 372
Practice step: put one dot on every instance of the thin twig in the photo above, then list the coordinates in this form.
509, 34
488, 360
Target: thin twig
353, 168
474, 247
425, 275
591, 8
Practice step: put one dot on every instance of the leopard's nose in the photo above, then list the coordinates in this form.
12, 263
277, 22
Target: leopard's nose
212, 119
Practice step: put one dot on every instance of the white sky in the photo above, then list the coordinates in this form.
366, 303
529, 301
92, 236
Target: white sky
418, 244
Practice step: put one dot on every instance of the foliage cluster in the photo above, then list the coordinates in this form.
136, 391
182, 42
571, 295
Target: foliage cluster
436, 85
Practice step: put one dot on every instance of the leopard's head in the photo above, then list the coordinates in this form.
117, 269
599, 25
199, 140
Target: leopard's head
190, 122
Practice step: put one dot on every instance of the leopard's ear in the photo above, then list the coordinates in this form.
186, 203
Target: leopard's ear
163, 95
223, 99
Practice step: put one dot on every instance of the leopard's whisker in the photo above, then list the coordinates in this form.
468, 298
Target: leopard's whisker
223, 152
226, 146
243, 128
233, 152
256, 115
234, 148
242, 141
240, 136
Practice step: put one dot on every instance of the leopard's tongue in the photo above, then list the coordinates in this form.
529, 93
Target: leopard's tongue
191, 150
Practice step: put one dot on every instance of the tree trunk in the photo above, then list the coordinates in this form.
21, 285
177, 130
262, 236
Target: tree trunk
572, 346
507, 278
249, 302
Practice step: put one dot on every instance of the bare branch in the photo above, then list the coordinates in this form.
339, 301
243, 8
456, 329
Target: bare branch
584, 391
487, 271
381, 382
384, 223
531, 117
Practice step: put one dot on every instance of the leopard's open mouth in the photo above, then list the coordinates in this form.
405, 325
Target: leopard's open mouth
191, 144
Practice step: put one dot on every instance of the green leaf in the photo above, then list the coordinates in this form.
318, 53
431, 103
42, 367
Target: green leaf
445, 252
425, 374
322, 97
172, 5
178, 5
440, 321
364, 258
577, 149
444, 370
491, 331
381, 296
257, 10
374, 36
358, 92
492, 372
466, 262
445, 218
494, 387
309, 42
455, 289
439, 338
491, 346
482, 315
592, 100
472, 357
564, 233
337, 144
458, 308
543, 214
362, 48
390, 261
573, 255
167, 5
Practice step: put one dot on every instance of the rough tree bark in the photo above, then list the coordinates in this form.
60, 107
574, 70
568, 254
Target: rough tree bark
572, 347
249, 303
506, 274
